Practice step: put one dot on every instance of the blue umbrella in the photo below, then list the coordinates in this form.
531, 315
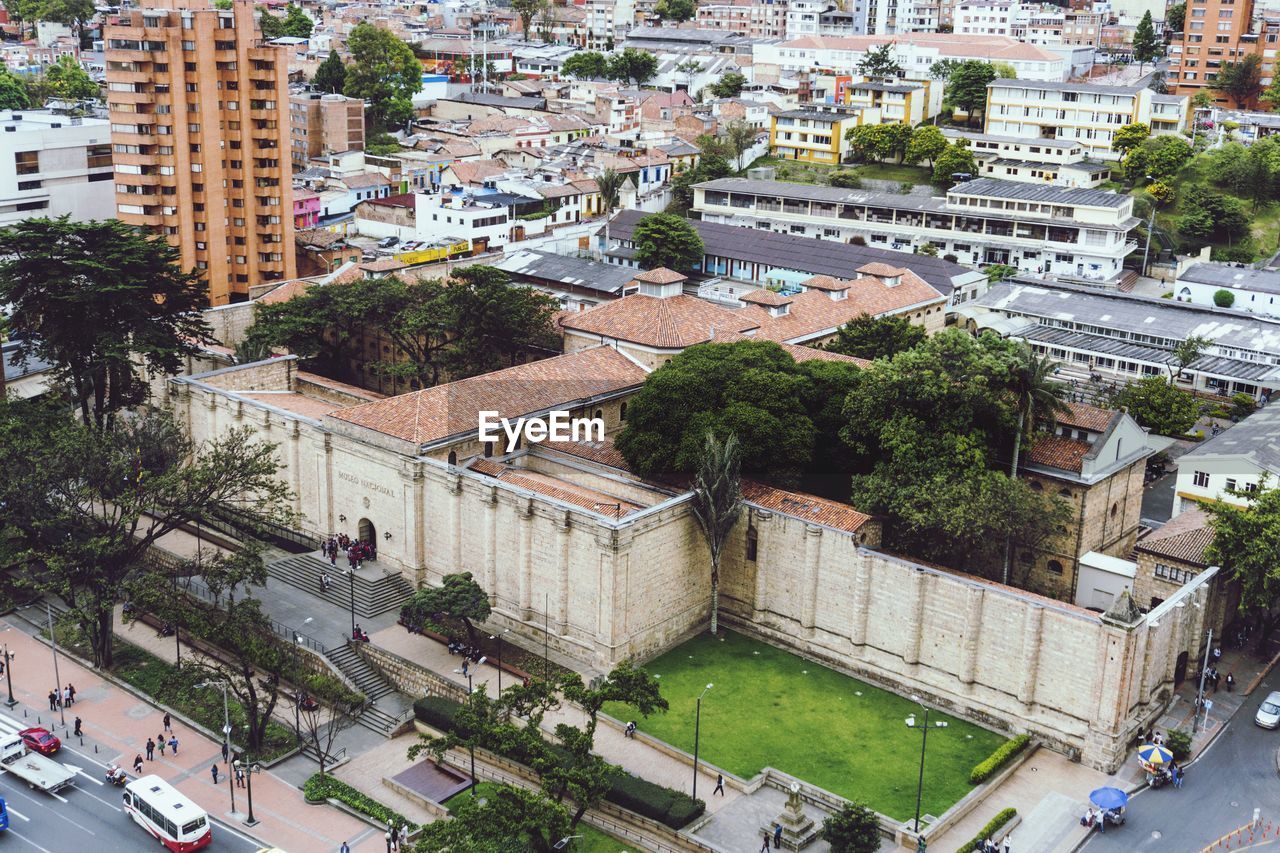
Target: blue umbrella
1108, 798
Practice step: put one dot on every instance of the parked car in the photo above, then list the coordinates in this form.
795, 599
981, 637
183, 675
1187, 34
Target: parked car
40, 740
388, 242
1268, 715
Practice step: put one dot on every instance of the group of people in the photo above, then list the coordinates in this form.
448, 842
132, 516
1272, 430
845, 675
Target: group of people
357, 550
64, 698
1101, 817
471, 653
990, 845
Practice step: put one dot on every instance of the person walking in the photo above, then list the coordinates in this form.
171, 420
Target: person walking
77, 731
764, 848
168, 722
345, 848
719, 785
173, 744
213, 771
137, 764
239, 776
1231, 683
225, 753
151, 750
160, 742
66, 697
404, 836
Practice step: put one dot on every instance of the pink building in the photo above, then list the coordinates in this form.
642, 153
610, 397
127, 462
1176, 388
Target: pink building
306, 209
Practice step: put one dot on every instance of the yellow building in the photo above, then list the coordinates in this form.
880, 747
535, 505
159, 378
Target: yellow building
814, 133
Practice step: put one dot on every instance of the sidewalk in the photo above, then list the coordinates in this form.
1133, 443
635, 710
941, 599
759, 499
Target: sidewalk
118, 724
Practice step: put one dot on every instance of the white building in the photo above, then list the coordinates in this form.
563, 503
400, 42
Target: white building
51, 165
984, 18
1069, 232
1056, 162
608, 22
1236, 459
1250, 289
916, 52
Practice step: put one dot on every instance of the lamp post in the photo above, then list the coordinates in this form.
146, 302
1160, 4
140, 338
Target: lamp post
1195, 721
249, 769
470, 673
911, 722
697, 730
498, 636
297, 692
351, 576
8, 674
226, 734
53, 643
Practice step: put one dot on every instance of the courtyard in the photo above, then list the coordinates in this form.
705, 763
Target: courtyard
771, 708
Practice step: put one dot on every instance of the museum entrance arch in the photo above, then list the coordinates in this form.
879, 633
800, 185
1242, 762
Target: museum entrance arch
367, 531
1180, 669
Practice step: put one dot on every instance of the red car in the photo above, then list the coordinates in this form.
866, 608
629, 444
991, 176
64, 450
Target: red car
40, 740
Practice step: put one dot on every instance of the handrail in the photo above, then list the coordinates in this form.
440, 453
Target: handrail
202, 592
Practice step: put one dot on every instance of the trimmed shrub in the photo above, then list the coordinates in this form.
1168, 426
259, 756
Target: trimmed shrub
319, 788
990, 829
1224, 298
993, 762
1179, 743
437, 712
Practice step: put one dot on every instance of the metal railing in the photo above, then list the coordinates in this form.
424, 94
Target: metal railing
198, 589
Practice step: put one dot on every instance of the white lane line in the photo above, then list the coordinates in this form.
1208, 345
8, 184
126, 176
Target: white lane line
80, 772
26, 840
235, 832
11, 810
93, 796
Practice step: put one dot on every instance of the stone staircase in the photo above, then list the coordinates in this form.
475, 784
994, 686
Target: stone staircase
376, 592
371, 683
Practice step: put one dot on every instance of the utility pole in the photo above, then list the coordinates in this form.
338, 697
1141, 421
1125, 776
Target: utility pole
53, 643
1195, 720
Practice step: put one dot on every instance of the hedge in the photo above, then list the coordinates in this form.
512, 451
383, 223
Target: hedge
993, 762
992, 827
319, 788
669, 807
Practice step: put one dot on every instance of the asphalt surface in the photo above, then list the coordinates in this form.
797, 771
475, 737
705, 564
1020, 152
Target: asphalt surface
1235, 776
85, 817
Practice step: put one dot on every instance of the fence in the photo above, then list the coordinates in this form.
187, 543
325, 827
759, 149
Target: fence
238, 524
198, 589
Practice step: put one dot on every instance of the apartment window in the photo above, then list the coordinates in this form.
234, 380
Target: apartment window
1201, 479
100, 176
1231, 484
99, 156
28, 185
188, 45
1054, 567
26, 162
193, 128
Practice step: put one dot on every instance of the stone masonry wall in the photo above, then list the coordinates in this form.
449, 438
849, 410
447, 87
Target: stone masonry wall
408, 677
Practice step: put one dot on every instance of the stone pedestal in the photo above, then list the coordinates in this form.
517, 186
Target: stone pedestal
798, 829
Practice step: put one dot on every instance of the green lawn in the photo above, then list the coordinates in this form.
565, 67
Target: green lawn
592, 840
896, 172
772, 708
801, 172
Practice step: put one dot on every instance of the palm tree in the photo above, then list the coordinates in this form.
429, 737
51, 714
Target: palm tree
610, 184
717, 503
741, 137
1038, 399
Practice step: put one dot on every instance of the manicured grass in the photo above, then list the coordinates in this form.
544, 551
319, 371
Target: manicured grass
772, 708
592, 840
896, 172
801, 172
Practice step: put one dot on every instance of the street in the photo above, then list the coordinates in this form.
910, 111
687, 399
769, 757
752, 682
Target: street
86, 816
1236, 775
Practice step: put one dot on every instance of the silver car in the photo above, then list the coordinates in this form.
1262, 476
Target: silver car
1268, 715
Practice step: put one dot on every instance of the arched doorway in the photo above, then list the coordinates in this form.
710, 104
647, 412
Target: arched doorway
1180, 669
367, 532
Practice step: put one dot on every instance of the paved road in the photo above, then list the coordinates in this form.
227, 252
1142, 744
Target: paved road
1235, 776
84, 818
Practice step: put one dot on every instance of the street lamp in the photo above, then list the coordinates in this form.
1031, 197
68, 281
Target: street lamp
1195, 720
8, 674
249, 770
697, 730
297, 693
226, 734
57, 679
351, 576
469, 674
499, 637
911, 722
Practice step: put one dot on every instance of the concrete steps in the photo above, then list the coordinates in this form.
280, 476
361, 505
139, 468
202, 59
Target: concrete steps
371, 683
375, 591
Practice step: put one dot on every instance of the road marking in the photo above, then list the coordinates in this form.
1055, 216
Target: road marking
29, 841
11, 810
80, 772
229, 829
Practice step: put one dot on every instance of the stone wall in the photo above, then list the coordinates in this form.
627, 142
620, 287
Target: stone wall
408, 677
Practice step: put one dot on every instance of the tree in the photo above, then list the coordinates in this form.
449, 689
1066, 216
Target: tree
1130, 137
717, 503
526, 9
1004, 71
491, 323
678, 11
13, 95
1209, 216
853, 829
1246, 544
610, 184
326, 707
457, 597
1147, 46
272, 26
102, 303
1240, 81
1224, 298
941, 70
876, 337
879, 142
511, 819
741, 137
997, 273
86, 504
1175, 18
73, 13
586, 65
880, 62
1158, 406
631, 65
1166, 155
967, 85
847, 178
1186, 353
23, 11
383, 69
666, 240
69, 82
296, 22
331, 76
927, 142
730, 85
955, 159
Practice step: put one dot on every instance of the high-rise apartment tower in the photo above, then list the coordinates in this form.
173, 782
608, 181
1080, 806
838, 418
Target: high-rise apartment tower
200, 137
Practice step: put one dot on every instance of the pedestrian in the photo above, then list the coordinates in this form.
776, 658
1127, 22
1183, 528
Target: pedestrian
345, 848
764, 848
1007, 844
66, 697
168, 723
137, 764
160, 742
239, 776
630, 730
1177, 776
1231, 683
173, 744
465, 663
404, 834
77, 731
777, 836
1217, 654
225, 751
213, 771
151, 750
71, 688
1157, 739
719, 785
53, 700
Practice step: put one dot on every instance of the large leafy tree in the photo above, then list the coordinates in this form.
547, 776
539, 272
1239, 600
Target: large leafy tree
97, 300
383, 71
73, 13
610, 183
1130, 137
1240, 81
1246, 544
1186, 353
1208, 216
457, 597
927, 142
880, 62
512, 819
86, 504
677, 11
527, 10
13, 94
717, 503
1147, 46
331, 76
667, 240
1158, 406
967, 85
955, 159
68, 81
1175, 18
586, 65
876, 337
729, 85
853, 829
741, 137
632, 65
879, 141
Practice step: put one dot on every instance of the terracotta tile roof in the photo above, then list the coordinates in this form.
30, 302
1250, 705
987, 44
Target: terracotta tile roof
675, 322
805, 507
553, 487
318, 237
814, 311
661, 275
826, 282
800, 353
286, 291
475, 171
602, 452
1185, 537
1054, 451
766, 297
453, 408
397, 200
363, 180
1085, 416
882, 270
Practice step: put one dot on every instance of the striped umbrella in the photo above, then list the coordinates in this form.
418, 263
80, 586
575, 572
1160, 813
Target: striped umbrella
1154, 754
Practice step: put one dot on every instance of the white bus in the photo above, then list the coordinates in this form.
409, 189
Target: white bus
161, 810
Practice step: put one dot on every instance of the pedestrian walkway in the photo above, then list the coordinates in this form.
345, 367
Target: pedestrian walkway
117, 725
